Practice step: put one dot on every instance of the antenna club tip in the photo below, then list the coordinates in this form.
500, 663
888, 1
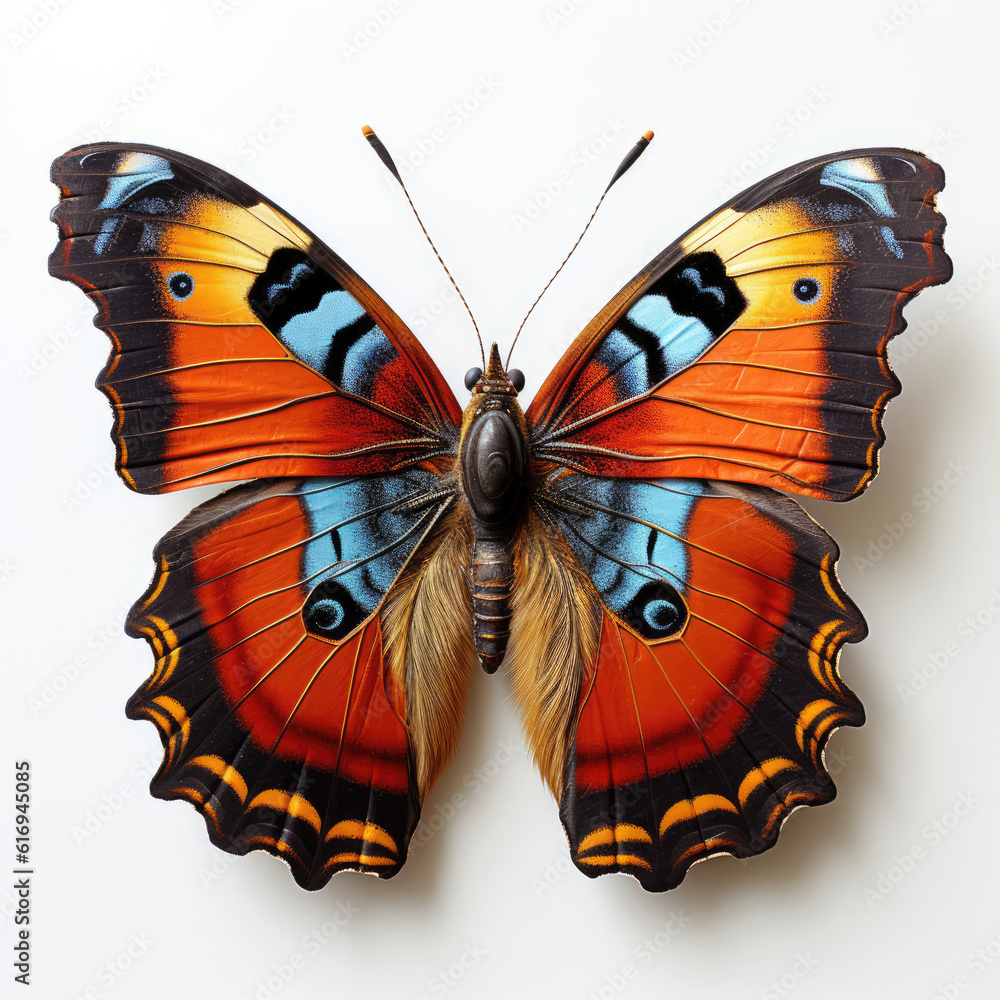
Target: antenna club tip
367, 130
648, 136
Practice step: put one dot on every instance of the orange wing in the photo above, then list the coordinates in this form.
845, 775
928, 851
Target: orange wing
712, 688
242, 346
754, 349
282, 718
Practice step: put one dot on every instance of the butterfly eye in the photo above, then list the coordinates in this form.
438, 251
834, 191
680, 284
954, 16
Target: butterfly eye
472, 376
180, 284
516, 377
807, 290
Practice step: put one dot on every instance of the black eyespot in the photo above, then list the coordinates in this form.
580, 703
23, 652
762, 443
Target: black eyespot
326, 615
180, 284
472, 376
331, 612
657, 611
516, 377
661, 615
807, 290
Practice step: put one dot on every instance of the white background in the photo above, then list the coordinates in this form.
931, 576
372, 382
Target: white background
131, 901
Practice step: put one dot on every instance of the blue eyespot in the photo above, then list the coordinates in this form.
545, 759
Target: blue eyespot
326, 615
807, 290
664, 616
180, 284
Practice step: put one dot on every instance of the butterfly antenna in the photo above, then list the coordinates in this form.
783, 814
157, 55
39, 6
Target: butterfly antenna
383, 155
630, 157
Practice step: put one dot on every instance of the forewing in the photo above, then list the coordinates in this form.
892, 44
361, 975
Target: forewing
753, 350
242, 347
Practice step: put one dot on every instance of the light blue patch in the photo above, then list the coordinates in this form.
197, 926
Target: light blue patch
309, 335
834, 211
614, 548
682, 338
373, 544
103, 240
149, 239
672, 511
693, 275
144, 169
852, 176
891, 242
364, 358
151, 206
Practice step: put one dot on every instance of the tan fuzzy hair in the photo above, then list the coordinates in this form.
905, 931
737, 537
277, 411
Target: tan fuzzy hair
554, 635
427, 637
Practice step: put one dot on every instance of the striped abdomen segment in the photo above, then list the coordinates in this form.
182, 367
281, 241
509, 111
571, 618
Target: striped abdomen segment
492, 581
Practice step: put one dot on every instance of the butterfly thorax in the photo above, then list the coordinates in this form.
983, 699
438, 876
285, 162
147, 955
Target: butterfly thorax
493, 453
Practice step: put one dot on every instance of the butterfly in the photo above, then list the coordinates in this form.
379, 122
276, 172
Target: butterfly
670, 618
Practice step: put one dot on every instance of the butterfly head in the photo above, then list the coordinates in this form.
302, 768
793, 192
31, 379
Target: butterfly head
493, 446
494, 404
494, 379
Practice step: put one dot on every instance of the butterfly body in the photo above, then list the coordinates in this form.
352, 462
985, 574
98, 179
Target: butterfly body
493, 455
669, 618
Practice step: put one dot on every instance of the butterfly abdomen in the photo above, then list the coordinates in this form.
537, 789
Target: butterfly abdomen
492, 582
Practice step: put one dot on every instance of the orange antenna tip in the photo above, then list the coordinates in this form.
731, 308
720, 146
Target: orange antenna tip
630, 157
383, 154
